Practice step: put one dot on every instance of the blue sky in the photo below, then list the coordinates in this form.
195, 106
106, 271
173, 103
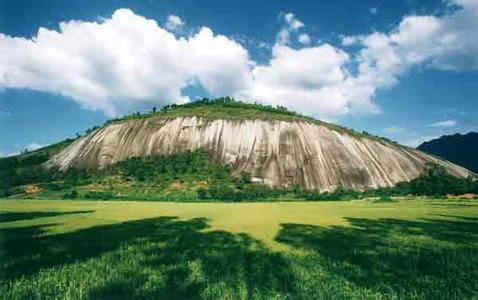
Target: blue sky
407, 70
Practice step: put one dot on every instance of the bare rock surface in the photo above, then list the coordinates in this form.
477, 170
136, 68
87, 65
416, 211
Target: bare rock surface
277, 153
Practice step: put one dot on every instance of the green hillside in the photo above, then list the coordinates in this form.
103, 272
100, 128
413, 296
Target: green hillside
26, 167
186, 176
190, 176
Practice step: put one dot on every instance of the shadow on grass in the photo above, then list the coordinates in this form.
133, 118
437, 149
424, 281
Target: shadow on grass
186, 258
426, 258
456, 205
169, 258
18, 216
462, 218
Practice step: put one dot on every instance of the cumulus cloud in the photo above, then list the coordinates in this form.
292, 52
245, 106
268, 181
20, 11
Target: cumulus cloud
311, 80
293, 22
174, 22
449, 42
291, 26
350, 40
304, 39
446, 123
127, 62
124, 62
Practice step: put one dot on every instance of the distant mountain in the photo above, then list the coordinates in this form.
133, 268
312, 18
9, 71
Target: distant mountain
461, 149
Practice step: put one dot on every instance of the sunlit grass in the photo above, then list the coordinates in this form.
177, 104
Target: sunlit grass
81, 249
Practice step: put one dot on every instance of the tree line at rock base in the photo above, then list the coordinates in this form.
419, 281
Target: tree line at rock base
192, 176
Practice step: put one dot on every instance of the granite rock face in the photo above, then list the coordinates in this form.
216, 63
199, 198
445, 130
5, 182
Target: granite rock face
277, 153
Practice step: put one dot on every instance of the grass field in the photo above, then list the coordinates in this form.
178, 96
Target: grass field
87, 249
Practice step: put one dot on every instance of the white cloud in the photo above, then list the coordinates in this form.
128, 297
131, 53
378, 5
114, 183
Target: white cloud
449, 42
447, 123
350, 40
304, 39
291, 25
393, 129
124, 62
293, 22
174, 22
127, 62
310, 80
374, 10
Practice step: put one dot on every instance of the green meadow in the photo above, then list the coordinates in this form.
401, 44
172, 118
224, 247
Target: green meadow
283, 250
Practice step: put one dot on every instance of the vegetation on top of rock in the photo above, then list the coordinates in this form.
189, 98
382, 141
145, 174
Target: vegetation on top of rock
231, 109
223, 108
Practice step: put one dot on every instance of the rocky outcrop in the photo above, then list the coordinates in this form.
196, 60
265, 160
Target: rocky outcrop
277, 153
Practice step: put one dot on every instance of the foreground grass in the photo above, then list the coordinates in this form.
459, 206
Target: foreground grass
84, 249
